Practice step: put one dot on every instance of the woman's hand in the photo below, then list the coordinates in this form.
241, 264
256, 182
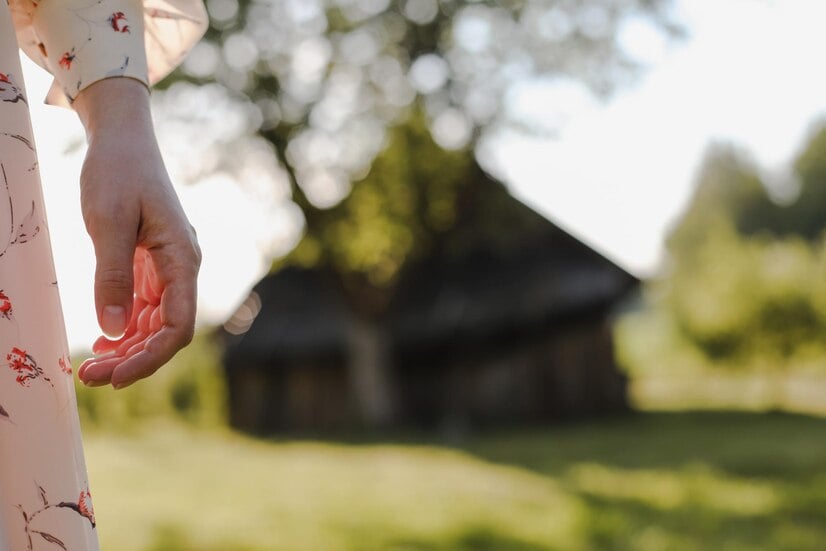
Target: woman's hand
147, 253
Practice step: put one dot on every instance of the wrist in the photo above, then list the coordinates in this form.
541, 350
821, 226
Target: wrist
113, 106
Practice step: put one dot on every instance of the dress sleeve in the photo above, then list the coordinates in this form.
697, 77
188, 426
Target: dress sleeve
83, 41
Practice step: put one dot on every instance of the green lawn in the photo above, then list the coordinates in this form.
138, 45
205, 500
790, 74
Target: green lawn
704, 481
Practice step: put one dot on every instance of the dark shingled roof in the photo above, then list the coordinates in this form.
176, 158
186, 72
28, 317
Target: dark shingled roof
484, 293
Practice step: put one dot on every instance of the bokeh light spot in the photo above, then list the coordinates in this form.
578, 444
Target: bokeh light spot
428, 73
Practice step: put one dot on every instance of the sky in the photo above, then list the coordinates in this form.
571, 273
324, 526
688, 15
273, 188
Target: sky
750, 73
616, 174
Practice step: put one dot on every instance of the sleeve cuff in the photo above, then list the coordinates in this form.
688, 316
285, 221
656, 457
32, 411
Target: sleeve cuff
83, 42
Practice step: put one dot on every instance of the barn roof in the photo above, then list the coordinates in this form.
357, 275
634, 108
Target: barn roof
501, 269
485, 294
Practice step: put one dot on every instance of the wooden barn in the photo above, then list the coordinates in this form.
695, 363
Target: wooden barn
512, 327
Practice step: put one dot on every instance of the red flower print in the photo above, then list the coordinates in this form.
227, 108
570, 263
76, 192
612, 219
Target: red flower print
9, 91
66, 60
65, 365
20, 361
85, 508
118, 20
25, 366
5, 304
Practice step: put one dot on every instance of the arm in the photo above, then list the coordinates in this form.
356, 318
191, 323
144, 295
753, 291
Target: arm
142, 239
104, 55
146, 251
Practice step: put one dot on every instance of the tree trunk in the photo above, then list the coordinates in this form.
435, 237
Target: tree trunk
370, 374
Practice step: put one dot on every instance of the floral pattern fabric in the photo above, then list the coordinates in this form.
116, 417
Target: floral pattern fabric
45, 500
83, 41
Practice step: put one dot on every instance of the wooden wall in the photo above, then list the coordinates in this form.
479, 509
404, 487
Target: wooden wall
557, 373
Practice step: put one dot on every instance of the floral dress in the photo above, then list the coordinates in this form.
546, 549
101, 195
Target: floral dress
45, 499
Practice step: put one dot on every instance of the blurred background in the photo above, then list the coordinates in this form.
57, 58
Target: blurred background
478, 275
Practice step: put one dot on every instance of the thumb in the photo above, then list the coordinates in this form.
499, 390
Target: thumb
114, 281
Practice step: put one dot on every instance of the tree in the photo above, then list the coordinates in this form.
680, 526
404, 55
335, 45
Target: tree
324, 80
732, 189
808, 216
746, 278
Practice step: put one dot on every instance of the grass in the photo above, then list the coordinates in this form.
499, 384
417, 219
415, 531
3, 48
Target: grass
653, 481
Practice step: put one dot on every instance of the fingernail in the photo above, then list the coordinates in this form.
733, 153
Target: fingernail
119, 386
93, 384
113, 321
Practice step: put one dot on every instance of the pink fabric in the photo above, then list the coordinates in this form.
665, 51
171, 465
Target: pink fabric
41, 458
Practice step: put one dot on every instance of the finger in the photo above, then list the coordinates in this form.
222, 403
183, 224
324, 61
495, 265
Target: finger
148, 293
155, 322
154, 281
81, 370
178, 274
103, 344
144, 317
156, 351
99, 370
144, 276
126, 345
101, 366
114, 276
99, 373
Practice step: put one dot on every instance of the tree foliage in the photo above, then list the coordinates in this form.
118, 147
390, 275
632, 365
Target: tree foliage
324, 78
333, 68
332, 84
418, 201
746, 280
393, 214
